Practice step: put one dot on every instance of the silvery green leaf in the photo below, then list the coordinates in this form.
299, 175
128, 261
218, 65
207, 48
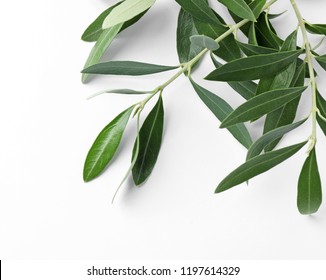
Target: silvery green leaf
94, 30
229, 49
125, 11
203, 42
103, 42
131, 68
186, 28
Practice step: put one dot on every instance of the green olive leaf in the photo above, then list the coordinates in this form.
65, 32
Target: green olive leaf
262, 104
286, 114
186, 28
254, 67
131, 68
252, 38
256, 166
240, 8
246, 89
309, 186
269, 137
120, 91
150, 139
103, 42
316, 28
284, 78
322, 61
221, 109
203, 42
257, 6
199, 9
94, 30
265, 33
274, 16
125, 11
250, 50
105, 146
321, 104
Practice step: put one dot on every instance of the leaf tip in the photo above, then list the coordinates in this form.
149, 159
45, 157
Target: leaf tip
223, 125
218, 189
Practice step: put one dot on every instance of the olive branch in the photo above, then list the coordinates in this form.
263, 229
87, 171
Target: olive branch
269, 72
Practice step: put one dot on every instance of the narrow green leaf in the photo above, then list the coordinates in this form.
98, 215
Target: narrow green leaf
203, 42
199, 9
287, 113
257, 6
125, 11
103, 42
265, 33
321, 104
254, 67
131, 68
94, 30
274, 16
252, 38
246, 89
221, 110
269, 137
250, 50
290, 43
119, 91
105, 146
322, 61
186, 28
284, 78
126, 91
240, 8
316, 28
309, 186
256, 166
262, 104
150, 139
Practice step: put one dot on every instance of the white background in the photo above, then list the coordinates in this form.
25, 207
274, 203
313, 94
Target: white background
47, 127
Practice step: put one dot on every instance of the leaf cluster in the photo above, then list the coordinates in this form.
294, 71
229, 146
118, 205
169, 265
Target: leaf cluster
269, 72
